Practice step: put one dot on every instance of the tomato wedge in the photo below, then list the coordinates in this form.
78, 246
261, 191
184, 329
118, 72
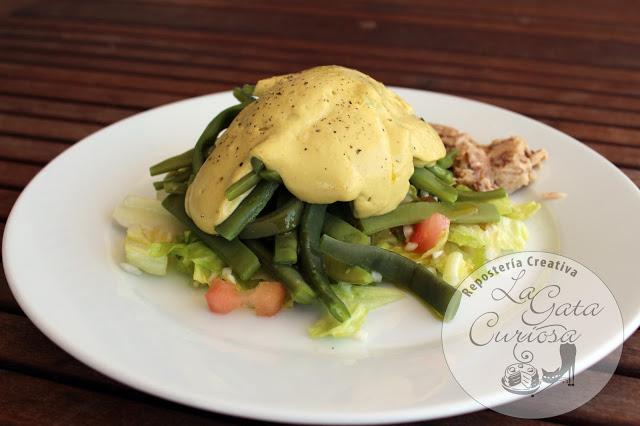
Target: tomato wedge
267, 299
427, 233
223, 297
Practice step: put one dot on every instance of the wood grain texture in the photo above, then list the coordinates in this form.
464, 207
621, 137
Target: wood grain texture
25, 149
68, 68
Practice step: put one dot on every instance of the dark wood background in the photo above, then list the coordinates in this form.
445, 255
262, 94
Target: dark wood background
68, 68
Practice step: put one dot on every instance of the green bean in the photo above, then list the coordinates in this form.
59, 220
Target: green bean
270, 175
298, 288
242, 96
234, 253
309, 235
174, 163
397, 269
241, 186
427, 181
286, 244
443, 174
410, 213
340, 271
256, 164
481, 196
343, 231
208, 137
283, 219
484, 213
248, 89
175, 187
447, 161
248, 210
286, 248
413, 193
259, 168
158, 185
180, 175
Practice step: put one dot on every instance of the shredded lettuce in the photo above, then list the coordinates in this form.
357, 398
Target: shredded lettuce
136, 248
156, 239
360, 301
194, 258
146, 213
506, 235
508, 208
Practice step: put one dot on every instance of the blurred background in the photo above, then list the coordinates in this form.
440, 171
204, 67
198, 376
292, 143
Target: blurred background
69, 68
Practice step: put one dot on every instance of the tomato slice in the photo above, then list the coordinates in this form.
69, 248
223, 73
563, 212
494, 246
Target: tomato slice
268, 298
223, 297
427, 233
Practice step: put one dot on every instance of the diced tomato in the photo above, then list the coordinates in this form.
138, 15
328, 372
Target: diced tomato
427, 233
223, 297
268, 298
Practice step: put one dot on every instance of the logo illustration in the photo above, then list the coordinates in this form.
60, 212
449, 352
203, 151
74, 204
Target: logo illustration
536, 335
522, 378
568, 359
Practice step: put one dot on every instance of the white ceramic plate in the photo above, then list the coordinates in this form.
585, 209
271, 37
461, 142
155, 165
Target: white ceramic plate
61, 255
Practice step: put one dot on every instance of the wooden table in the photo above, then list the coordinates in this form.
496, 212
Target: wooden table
70, 68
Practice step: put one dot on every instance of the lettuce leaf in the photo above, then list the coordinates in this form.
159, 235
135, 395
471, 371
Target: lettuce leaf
146, 213
508, 208
136, 247
506, 235
193, 258
360, 301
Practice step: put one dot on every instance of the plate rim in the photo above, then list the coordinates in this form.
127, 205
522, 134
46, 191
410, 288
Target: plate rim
245, 410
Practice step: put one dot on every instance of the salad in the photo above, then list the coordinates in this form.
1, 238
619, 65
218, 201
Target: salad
323, 187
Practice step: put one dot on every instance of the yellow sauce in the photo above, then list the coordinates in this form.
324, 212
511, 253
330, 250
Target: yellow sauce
332, 133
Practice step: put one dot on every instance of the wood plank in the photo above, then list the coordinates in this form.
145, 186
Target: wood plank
63, 130
596, 132
446, 17
56, 109
8, 198
434, 8
393, 34
616, 404
29, 149
119, 80
629, 364
515, 92
611, 12
16, 175
179, 73
406, 70
87, 94
29, 400
565, 112
201, 44
7, 301
468, 84
24, 345
633, 174
622, 156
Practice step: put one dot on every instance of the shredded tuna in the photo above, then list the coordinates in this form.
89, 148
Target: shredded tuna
508, 163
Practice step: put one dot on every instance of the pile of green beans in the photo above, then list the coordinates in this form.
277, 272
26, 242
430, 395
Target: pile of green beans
397, 269
307, 248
